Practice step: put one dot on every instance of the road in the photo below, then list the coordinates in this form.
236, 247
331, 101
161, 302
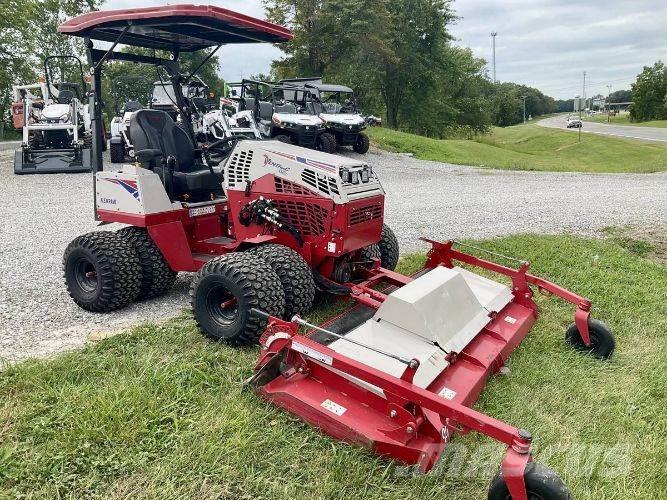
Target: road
627, 131
41, 214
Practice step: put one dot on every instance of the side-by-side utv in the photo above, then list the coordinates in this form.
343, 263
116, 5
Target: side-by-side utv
266, 225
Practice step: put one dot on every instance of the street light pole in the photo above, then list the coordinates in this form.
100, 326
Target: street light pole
608, 102
524, 107
493, 37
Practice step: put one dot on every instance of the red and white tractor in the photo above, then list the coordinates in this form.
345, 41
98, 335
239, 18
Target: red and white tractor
398, 372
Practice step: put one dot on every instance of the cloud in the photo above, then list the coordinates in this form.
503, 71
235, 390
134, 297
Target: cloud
544, 43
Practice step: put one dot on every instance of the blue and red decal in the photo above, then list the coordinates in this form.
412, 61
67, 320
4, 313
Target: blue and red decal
306, 161
129, 186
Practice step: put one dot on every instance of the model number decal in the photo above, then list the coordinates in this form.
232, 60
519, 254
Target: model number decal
108, 201
194, 212
334, 408
312, 353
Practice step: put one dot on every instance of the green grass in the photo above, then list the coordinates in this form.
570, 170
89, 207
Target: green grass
531, 147
624, 119
159, 412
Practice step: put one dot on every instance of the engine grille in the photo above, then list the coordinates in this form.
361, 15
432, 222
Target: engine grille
308, 218
322, 183
287, 187
358, 215
238, 169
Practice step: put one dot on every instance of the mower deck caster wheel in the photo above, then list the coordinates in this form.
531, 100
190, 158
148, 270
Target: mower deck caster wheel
362, 144
102, 271
542, 483
602, 340
295, 276
157, 278
227, 288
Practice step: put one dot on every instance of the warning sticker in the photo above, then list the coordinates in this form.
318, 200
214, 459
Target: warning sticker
447, 393
510, 320
333, 407
331, 247
312, 353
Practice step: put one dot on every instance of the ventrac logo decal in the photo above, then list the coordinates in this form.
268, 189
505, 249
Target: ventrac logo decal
268, 162
306, 161
129, 186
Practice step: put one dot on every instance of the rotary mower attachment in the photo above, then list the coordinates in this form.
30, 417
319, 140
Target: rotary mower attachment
398, 372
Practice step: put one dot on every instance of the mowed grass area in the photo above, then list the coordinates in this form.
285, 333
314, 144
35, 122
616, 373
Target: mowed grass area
160, 412
624, 119
531, 147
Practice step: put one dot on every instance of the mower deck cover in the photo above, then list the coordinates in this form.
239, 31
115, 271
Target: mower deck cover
438, 313
185, 28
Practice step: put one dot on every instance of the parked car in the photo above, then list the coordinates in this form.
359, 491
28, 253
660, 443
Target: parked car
574, 122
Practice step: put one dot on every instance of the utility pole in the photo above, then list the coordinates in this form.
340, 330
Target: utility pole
493, 37
583, 95
524, 107
608, 102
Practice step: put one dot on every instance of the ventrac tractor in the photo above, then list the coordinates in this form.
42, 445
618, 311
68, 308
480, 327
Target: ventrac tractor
56, 126
270, 223
337, 108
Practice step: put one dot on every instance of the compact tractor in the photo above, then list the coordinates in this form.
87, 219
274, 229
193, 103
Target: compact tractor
337, 107
399, 371
137, 88
57, 135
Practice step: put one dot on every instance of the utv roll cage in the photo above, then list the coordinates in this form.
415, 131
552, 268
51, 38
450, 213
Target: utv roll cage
172, 30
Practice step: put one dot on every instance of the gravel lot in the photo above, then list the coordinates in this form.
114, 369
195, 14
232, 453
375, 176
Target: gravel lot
40, 215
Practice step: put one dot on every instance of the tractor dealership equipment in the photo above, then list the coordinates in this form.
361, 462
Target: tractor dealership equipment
56, 127
265, 224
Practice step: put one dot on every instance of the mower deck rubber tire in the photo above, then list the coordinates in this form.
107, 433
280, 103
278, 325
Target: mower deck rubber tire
157, 277
389, 249
541, 483
102, 271
294, 274
362, 144
117, 152
602, 340
227, 288
326, 143
283, 138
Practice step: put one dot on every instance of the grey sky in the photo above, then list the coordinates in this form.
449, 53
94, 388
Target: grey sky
544, 43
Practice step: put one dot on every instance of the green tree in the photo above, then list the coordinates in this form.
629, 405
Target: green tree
649, 93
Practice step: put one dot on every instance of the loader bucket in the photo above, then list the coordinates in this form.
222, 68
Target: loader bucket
52, 161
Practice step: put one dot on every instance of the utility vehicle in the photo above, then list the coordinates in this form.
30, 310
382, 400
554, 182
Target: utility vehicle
398, 372
283, 116
337, 106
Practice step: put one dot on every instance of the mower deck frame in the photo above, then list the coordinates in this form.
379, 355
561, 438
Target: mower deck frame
397, 418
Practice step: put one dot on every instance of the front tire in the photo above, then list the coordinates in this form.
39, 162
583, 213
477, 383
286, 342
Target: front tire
117, 152
226, 289
326, 143
283, 138
362, 144
541, 483
102, 272
602, 341
294, 274
389, 249
157, 277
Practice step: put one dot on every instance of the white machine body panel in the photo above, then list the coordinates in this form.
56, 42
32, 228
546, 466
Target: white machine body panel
297, 118
313, 170
133, 190
342, 118
436, 314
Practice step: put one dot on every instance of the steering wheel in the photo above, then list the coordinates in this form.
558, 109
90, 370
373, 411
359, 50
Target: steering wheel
220, 148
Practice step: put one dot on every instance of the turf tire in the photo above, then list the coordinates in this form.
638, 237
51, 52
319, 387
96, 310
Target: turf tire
157, 278
389, 249
541, 483
362, 144
248, 279
117, 152
116, 267
283, 138
326, 143
602, 341
294, 274
368, 253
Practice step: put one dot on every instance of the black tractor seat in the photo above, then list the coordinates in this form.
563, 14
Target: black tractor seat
165, 148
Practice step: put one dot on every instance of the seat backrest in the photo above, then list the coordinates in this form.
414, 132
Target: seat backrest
131, 106
248, 103
265, 110
65, 96
287, 108
154, 129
